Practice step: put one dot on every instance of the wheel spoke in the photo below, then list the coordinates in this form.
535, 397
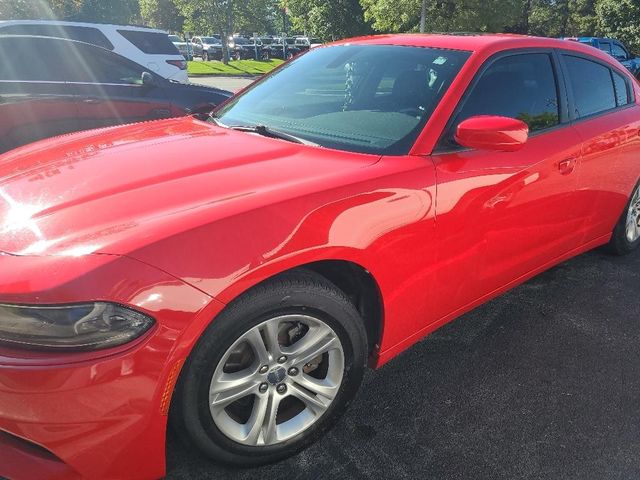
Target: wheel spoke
258, 418
229, 387
631, 229
256, 342
271, 330
318, 387
317, 340
313, 402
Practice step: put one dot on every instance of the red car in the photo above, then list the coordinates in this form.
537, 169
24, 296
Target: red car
235, 276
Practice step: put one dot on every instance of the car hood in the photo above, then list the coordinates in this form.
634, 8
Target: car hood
115, 190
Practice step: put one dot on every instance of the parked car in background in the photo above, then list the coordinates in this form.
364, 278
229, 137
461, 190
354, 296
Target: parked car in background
149, 47
242, 48
305, 43
66, 86
614, 48
184, 47
208, 48
236, 275
283, 48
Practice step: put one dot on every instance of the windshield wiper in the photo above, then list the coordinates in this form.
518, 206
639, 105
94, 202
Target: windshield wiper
264, 131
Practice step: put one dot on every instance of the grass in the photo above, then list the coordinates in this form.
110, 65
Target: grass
235, 67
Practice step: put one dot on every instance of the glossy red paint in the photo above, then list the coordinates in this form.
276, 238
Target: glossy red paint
489, 132
177, 218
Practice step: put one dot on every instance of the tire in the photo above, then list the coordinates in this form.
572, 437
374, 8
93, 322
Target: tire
307, 311
205, 56
237, 56
265, 55
290, 55
626, 234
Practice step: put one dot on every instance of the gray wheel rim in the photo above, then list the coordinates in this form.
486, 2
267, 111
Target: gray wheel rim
632, 227
289, 383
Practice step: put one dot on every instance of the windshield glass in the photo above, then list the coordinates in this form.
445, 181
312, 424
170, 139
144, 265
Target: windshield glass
240, 41
359, 98
210, 40
175, 38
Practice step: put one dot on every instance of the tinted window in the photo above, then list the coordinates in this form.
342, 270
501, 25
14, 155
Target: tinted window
517, 86
592, 86
52, 60
621, 88
83, 34
98, 66
605, 47
618, 52
361, 98
150, 42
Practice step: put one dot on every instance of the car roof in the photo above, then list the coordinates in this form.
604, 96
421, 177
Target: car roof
472, 42
60, 39
79, 24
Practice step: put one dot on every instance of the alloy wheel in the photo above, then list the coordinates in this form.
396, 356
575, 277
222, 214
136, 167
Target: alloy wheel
632, 227
276, 380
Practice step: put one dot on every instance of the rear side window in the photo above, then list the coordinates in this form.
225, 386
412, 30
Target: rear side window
150, 42
592, 86
83, 34
618, 52
621, 89
519, 86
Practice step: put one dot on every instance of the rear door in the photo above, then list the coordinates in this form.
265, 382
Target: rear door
110, 91
605, 115
35, 99
503, 215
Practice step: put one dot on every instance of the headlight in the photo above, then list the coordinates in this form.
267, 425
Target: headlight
87, 326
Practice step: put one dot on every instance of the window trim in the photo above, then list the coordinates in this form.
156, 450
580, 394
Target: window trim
574, 119
442, 147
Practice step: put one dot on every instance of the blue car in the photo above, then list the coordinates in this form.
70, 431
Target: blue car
614, 48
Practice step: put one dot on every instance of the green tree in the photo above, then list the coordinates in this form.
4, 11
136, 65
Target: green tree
38, 9
444, 15
328, 19
620, 19
161, 14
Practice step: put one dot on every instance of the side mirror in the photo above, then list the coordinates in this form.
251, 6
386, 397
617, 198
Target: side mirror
149, 80
490, 132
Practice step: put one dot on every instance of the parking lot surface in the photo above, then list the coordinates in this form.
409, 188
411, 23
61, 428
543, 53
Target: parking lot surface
541, 383
233, 84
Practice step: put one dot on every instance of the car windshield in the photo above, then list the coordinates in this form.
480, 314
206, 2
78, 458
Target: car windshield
359, 98
175, 38
240, 41
210, 40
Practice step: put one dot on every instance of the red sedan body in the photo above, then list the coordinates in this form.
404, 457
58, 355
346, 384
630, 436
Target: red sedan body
177, 218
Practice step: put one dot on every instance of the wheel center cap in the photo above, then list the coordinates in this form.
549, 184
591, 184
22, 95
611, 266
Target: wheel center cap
276, 375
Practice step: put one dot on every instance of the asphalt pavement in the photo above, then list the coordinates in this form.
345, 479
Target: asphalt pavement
233, 84
541, 383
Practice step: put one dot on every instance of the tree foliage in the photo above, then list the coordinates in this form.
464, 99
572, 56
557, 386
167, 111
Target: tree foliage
161, 14
327, 19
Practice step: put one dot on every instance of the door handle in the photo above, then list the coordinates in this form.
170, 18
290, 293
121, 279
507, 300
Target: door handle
91, 101
567, 166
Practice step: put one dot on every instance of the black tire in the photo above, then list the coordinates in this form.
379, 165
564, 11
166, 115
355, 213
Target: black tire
237, 56
296, 292
620, 243
205, 56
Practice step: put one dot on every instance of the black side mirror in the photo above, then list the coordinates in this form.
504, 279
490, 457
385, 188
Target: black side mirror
149, 80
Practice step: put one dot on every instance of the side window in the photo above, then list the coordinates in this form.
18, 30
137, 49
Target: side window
100, 66
621, 89
519, 86
150, 42
618, 52
592, 86
52, 67
605, 47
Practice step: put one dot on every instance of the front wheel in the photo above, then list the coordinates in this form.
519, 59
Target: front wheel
626, 235
273, 372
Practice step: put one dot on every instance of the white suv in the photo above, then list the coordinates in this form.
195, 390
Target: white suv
149, 47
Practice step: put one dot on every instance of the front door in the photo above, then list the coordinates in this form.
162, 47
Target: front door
502, 215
